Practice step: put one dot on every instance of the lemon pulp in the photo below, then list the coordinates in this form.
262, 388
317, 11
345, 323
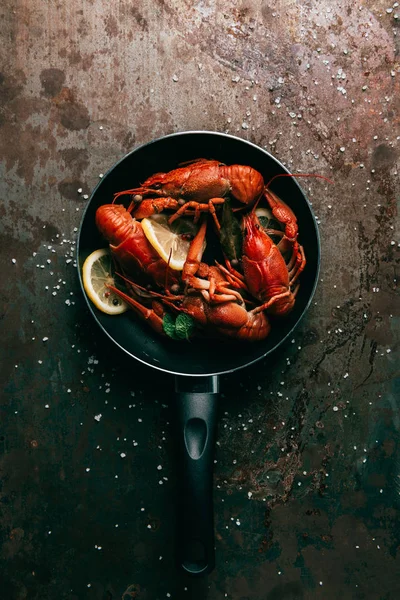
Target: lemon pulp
97, 274
171, 242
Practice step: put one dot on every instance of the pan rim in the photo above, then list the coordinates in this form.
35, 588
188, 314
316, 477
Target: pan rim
300, 317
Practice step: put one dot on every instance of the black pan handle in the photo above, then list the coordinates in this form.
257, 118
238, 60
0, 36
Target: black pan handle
196, 403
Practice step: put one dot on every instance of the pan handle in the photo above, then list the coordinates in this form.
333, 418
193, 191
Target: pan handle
196, 403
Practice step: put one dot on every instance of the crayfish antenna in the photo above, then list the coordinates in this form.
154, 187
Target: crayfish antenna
150, 293
289, 175
147, 314
137, 286
167, 271
296, 175
197, 161
140, 191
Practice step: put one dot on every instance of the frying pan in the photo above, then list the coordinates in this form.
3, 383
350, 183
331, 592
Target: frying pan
197, 365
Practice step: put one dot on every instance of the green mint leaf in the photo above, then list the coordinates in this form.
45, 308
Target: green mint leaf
231, 236
184, 326
169, 326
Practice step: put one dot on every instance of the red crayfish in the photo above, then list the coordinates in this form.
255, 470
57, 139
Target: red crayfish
130, 247
199, 186
216, 296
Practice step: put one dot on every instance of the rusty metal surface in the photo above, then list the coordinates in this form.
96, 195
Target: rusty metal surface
307, 474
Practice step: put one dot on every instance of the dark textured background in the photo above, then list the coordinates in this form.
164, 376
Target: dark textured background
307, 474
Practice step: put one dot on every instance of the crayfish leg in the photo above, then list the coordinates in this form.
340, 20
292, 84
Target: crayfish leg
195, 253
153, 206
272, 301
235, 278
198, 208
282, 213
298, 267
213, 212
147, 314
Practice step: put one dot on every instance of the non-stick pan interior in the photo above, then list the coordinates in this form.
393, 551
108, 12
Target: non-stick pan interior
198, 357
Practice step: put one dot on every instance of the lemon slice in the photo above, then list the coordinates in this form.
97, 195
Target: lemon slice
169, 239
97, 272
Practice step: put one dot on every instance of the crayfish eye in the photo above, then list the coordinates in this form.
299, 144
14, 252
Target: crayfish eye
157, 186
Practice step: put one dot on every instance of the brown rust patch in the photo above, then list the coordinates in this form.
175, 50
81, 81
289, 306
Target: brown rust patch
68, 188
383, 156
139, 18
111, 26
16, 541
292, 589
11, 86
76, 159
52, 81
21, 147
72, 114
